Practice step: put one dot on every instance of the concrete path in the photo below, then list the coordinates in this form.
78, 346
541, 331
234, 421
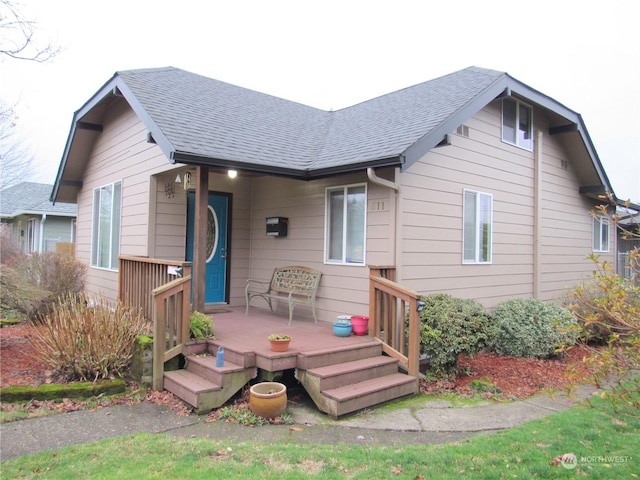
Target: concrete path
434, 421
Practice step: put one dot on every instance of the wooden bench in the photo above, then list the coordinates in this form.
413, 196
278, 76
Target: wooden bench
292, 283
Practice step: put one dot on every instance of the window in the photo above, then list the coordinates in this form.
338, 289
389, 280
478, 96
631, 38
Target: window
478, 228
105, 235
600, 234
517, 123
346, 224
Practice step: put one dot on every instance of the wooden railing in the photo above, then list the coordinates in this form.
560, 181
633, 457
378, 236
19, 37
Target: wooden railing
171, 323
139, 276
389, 305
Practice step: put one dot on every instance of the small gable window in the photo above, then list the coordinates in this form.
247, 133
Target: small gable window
600, 234
105, 233
517, 123
345, 224
477, 227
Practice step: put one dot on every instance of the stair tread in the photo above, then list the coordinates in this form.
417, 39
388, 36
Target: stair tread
352, 366
368, 386
336, 349
209, 361
191, 381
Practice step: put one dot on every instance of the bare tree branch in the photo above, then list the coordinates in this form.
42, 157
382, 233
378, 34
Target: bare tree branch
17, 36
15, 159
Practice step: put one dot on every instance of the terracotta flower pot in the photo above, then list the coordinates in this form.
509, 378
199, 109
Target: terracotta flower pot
281, 345
268, 399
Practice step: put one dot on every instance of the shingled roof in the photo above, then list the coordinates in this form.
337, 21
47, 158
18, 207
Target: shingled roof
201, 121
29, 198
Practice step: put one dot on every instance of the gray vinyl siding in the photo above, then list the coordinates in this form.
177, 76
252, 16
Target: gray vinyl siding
56, 230
432, 199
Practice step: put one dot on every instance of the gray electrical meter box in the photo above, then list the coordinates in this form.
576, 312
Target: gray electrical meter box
277, 226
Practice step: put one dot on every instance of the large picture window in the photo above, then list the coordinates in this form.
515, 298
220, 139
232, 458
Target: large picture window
105, 235
600, 234
478, 227
346, 224
517, 123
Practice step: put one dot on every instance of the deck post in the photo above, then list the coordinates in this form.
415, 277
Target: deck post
200, 237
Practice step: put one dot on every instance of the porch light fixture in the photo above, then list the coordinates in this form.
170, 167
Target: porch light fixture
232, 173
178, 179
187, 181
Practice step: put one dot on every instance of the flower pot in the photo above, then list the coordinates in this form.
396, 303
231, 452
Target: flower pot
359, 324
280, 345
342, 328
268, 399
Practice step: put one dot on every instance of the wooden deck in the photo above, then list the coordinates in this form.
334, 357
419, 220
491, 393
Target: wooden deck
236, 331
341, 374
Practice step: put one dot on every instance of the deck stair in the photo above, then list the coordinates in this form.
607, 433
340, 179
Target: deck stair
203, 385
344, 381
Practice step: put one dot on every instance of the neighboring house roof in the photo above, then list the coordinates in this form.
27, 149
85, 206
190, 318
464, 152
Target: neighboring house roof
28, 198
201, 121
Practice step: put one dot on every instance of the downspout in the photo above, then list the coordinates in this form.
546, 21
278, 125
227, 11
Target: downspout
537, 218
41, 240
373, 178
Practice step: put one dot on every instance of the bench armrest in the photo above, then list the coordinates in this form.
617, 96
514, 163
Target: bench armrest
252, 286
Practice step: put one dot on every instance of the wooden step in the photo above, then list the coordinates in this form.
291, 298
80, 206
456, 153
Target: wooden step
246, 358
342, 374
203, 394
331, 356
188, 386
350, 398
205, 366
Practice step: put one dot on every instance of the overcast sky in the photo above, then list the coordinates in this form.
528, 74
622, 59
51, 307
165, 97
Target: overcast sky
331, 54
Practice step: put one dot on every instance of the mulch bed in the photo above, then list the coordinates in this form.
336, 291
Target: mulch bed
515, 377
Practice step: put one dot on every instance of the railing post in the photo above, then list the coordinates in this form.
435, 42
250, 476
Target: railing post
159, 341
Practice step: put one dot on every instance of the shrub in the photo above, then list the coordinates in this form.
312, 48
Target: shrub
452, 326
606, 305
88, 338
608, 309
200, 326
42, 278
527, 327
19, 297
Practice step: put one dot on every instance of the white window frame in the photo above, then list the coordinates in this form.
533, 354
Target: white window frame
520, 141
344, 259
476, 232
601, 234
114, 224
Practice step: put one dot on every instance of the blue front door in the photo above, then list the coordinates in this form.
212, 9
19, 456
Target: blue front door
217, 218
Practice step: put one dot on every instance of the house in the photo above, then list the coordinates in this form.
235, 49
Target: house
474, 184
34, 223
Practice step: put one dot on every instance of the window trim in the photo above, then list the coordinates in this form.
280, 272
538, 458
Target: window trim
518, 103
600, 222
327, 236
477, 235
93, 257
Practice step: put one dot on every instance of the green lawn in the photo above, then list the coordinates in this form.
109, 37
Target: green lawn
605, 443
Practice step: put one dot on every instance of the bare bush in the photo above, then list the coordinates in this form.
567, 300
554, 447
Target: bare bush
56, 274
89, 337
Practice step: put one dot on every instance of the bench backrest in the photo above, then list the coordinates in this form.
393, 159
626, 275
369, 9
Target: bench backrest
299, 280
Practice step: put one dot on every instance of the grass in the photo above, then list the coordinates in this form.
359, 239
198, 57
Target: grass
605, 444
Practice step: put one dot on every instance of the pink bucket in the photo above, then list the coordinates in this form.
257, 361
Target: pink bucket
359, 324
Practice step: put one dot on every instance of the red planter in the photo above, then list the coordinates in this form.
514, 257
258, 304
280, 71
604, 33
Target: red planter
359, 324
